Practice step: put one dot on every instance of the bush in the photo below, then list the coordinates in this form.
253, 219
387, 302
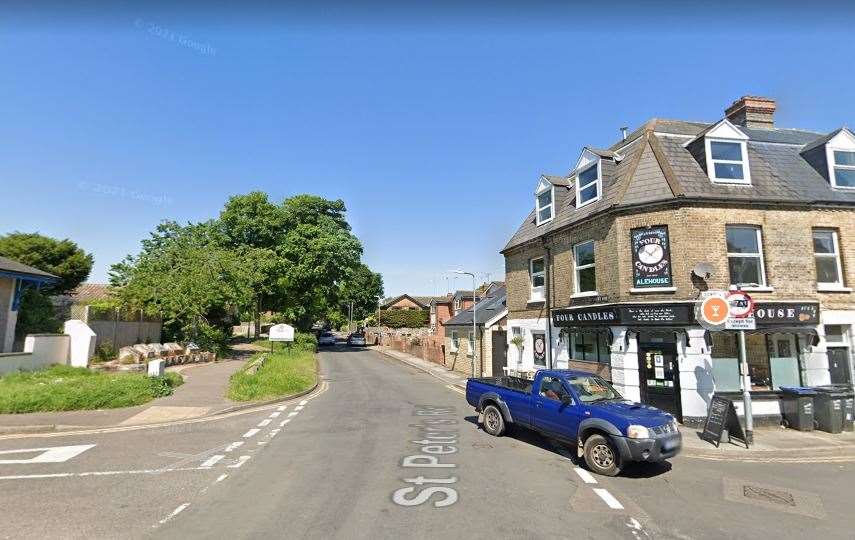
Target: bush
105, 351
305, 341
404, 318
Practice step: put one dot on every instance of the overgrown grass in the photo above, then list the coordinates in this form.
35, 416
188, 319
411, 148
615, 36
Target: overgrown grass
64, 388
285, 372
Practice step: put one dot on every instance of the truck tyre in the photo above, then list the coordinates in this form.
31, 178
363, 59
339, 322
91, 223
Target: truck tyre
494, 423
601, 456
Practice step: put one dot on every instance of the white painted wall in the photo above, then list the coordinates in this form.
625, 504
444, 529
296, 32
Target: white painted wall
8, 318
40, 351
82, 346
624, 359
525, 363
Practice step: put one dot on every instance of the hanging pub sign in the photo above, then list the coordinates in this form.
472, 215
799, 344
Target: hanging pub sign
539, 348
790, 313
651, 257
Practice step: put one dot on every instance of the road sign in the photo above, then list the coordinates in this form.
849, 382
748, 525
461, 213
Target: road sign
281, 332
712, 310
740, 323
52, 454
741, 304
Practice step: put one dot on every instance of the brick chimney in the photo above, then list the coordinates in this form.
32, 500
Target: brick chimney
753, 112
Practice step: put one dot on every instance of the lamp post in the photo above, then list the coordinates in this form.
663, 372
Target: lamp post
474, 313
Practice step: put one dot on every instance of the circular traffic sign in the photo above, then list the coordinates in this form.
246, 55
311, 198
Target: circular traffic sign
713, 311
741, 304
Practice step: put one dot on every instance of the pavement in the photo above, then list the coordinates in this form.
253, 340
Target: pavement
203, 393
382, 449
770, 443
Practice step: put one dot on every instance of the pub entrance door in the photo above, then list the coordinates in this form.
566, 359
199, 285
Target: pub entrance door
660, 376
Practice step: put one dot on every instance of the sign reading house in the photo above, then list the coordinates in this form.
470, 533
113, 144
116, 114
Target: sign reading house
771, 313
651, 257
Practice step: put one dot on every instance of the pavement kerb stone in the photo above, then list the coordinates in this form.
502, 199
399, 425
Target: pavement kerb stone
23, 430
403, 359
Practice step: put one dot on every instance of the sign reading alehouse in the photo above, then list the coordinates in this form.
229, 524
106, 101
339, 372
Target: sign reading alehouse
651, 257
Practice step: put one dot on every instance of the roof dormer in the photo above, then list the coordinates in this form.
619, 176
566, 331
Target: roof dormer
544, 201
589, 178
833, 156
722, 151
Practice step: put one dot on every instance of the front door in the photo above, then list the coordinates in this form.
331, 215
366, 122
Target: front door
551, 414
500, 352
660, 376
838, 364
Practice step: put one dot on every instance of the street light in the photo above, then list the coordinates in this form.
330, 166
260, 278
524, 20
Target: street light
474, 312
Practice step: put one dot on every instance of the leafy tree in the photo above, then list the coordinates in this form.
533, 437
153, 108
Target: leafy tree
62, 258
36, 315
360, 286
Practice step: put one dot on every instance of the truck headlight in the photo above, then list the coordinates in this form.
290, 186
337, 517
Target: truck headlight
637, 432
674, 427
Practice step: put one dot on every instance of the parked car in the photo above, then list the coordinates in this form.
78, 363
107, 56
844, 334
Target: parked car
579, 408
356, 340
327, 338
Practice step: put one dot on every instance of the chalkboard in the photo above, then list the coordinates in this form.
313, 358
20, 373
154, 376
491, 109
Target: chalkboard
721, 416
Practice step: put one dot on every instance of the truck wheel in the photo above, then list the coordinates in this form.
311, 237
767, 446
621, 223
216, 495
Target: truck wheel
494, 423
601, 457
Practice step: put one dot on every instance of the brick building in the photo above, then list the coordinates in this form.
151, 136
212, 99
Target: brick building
605, 271
489, 339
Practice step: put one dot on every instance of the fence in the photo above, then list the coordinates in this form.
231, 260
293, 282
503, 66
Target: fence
430, 348
119, 327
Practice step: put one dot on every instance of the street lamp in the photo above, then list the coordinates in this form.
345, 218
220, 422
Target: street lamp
474, 313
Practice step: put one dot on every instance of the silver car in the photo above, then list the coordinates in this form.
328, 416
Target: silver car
327, 338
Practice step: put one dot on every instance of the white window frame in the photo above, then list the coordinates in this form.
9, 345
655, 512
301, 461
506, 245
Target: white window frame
759, 235
455, 341
598, 182
746, 171
551, 205
470, 343
577, 268
834, 285
536, 294
833, 166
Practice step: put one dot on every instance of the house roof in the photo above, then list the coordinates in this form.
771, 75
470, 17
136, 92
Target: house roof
484, 310
420, 300
88, 292
657, 167
9, 266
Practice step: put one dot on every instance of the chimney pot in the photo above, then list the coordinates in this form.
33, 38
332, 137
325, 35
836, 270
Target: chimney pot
752, 111
624, 131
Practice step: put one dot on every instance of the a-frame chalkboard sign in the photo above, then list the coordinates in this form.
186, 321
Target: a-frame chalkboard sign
721, 416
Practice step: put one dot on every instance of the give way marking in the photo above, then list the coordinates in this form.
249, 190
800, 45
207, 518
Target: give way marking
53, 454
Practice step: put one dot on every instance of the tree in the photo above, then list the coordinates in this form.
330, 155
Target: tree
62, 258
361, 287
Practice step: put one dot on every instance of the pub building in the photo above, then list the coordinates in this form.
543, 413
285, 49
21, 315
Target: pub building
605, 272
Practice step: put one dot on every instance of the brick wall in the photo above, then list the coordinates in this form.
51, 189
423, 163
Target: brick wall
697, 234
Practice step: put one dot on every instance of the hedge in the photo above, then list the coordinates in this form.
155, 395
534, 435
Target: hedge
404, 318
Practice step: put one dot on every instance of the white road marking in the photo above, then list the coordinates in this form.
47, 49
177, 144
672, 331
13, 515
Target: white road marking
221, 478
274, 432
241, 460
55, 454
234, 445
293, 413
283, 422
274, 414
304, 402
264, 422
586, 477
299, 408
608, 498
97, 473
261, 443
282, 408
455, 389
211, 461
174, 513
251, 433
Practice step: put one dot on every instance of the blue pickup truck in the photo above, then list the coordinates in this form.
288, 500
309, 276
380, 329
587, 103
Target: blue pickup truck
579, 408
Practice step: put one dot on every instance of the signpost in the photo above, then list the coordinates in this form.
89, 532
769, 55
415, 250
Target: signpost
280, 332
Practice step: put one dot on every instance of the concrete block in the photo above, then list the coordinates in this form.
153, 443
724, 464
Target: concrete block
156, 368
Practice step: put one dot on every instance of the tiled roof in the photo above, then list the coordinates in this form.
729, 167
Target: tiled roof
87, 292
486, 309
657, 167
8, 265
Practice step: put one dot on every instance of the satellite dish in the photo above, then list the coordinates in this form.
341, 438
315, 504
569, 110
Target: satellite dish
703, 270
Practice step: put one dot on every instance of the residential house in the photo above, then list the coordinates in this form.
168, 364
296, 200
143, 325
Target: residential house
406, 302
605, 272
72, 305
15, 278
488, 338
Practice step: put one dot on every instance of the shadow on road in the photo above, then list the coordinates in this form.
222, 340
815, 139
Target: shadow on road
633, 470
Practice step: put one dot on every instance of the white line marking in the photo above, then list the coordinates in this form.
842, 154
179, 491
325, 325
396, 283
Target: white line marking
261, 442
211, 461
283, 422
55, 454
174, 513
221, 478
96, 473
234, 445
298, 408
241, 460
274, 414
282, 408
251, 433
293, 413
264, 422
608, 498
303, 402
586, 477
455, 389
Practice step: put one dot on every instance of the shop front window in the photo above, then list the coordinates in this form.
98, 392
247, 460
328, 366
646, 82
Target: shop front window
773, 361
590, 347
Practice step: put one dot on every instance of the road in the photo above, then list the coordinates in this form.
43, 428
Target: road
382, 450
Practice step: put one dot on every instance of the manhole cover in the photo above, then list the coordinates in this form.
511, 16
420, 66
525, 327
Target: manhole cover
481, 445
768, 495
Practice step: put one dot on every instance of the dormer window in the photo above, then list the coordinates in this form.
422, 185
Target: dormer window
545, 202
588, 185
843, 168
723, 151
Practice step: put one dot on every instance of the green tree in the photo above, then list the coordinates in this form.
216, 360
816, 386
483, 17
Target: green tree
361, 287
62, 258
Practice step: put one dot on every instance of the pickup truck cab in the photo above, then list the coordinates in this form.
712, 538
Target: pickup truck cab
579, 408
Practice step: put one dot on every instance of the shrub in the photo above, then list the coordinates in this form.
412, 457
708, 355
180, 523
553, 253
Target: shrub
305, 341
404, 318
105, 351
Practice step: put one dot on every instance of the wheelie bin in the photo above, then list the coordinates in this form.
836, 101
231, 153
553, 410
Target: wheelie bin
829, 404
797, 407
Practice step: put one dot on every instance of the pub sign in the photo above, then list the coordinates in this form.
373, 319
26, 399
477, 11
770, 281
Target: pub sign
651, 257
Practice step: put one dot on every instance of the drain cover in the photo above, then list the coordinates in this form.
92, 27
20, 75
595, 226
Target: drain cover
481, 445
768, 495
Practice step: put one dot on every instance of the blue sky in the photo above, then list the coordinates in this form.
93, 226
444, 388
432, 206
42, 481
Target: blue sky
432, 125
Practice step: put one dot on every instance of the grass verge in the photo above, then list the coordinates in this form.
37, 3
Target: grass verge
65, 388
287, 371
